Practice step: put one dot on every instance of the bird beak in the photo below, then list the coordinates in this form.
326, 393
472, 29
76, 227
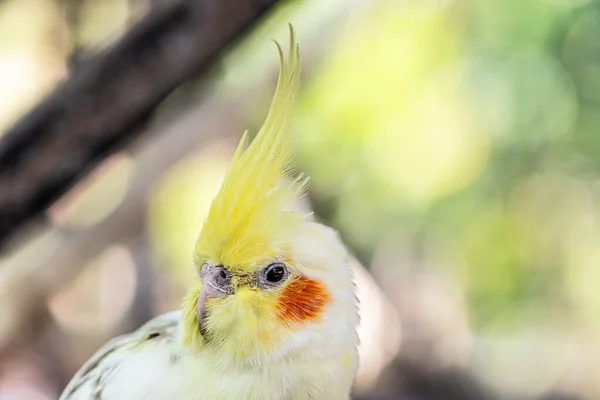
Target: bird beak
216, 283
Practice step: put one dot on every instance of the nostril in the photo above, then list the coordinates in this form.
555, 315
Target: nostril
221, 275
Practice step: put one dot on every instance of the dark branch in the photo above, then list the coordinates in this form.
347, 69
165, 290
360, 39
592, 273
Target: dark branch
109, 98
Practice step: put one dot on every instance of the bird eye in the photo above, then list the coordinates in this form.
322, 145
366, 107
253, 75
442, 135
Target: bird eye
275, 273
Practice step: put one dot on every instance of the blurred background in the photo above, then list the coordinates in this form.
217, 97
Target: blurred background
453, 143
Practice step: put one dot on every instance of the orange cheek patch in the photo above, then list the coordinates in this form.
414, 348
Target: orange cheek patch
302, 301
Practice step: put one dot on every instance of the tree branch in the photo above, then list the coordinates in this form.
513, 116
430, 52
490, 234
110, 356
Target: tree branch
108, 99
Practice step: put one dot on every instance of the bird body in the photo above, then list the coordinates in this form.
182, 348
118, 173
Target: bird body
273, 314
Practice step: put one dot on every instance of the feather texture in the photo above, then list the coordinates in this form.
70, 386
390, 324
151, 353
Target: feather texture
156, 336
251, 214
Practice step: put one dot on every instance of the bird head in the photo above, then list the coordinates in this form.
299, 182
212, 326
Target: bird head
271, 280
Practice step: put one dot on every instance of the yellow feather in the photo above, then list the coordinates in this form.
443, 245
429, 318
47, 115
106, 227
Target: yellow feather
251, 212
190, 332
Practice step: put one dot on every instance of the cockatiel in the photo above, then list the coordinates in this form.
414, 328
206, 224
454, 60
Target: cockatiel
273, 314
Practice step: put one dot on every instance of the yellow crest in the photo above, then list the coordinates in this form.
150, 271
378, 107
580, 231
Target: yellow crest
251, 214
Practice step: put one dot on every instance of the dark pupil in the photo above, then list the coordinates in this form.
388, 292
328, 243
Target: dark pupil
275, 274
